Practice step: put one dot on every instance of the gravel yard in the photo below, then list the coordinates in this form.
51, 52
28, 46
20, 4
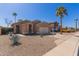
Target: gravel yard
30, 45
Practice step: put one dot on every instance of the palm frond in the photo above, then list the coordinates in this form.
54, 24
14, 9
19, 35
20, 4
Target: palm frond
61, 11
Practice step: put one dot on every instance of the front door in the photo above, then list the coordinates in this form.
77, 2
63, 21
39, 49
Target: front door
17, 29
30, 29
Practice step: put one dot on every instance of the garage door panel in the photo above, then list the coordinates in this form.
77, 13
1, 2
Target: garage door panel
43, 30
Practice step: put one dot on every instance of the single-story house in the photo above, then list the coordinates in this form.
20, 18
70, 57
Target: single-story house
33, 27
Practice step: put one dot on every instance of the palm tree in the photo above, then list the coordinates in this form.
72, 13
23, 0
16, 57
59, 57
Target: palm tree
14, 14
61, 11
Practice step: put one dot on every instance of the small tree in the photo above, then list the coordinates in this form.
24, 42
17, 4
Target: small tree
8, 22
7, 29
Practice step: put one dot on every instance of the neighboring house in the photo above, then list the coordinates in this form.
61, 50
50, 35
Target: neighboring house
68, 29
0, 30
5, 30
33, 27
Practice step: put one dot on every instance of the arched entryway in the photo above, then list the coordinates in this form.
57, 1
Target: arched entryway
30, 29
17, 29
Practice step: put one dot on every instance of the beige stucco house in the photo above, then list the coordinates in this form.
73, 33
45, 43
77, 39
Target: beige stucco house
32, 27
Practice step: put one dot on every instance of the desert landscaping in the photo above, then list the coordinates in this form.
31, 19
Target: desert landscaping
32, 45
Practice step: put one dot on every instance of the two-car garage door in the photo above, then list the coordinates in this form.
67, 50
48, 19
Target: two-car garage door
43, 30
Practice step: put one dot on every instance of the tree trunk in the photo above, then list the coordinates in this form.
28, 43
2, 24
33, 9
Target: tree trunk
76, 25
15, 19
61, 25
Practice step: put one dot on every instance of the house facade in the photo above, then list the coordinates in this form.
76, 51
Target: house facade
32, 27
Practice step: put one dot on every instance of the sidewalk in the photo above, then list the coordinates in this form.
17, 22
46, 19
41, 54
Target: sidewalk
67, 48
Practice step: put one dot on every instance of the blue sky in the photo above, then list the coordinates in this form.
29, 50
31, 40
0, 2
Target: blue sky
41, 11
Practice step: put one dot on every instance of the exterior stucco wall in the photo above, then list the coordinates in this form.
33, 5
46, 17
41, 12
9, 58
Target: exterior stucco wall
35, 27
24, 28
